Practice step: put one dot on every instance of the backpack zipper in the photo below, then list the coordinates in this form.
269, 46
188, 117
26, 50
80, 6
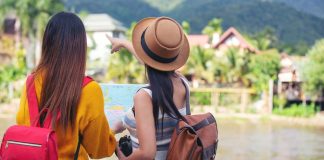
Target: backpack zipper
22, 144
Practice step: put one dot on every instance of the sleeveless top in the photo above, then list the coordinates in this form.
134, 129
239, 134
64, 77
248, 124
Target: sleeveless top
162, 140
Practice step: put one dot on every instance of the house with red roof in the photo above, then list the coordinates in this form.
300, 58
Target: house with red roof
199, 40
232, 38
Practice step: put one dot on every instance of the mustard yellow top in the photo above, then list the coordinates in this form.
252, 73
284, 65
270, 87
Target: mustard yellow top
98, 140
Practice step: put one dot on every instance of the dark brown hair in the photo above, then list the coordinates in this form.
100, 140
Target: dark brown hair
62, 67
162, 89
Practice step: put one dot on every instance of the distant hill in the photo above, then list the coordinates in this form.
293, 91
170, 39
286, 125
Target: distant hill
314, 7
164, 5
293, 20
251, 16
126, 11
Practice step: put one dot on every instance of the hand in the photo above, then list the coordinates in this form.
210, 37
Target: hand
116, 43
120, 154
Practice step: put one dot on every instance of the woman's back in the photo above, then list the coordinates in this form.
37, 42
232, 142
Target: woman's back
98, 141
58, 80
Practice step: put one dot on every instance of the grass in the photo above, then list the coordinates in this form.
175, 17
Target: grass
200, 98
296, 110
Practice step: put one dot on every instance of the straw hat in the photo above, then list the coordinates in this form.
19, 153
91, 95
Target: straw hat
160, 43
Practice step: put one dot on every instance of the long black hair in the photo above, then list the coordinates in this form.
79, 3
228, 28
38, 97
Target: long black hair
162, 89
62, 66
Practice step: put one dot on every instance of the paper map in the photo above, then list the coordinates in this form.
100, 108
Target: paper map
118, 99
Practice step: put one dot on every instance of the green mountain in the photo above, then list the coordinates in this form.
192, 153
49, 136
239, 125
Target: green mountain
252, 16
164, 5
314, 7
126, 11
294, 21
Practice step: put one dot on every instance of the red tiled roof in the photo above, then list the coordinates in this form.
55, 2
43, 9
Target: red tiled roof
243, 43
198, 40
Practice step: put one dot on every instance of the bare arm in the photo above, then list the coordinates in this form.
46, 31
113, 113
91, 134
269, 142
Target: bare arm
145, 128
117, 44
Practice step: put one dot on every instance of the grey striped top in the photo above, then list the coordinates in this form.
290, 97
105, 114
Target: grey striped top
162, 141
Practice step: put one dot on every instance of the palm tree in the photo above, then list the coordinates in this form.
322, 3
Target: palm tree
124, 68
263, 40
232, 67
200, 64
186, 27
214, 26
33, 16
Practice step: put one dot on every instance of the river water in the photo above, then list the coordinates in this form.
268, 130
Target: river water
242, 139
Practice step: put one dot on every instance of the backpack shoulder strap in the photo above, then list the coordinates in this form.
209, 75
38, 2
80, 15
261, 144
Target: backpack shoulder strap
32, 99
33, 102
185, 83
205, 122
76, 153
86, 80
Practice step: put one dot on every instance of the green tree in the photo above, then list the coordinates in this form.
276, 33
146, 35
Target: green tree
262, 68
214, 26
11, 72
129, 32
123, 67
232, 67
200, 64
313, 73
33, 16
265, 39
186, 27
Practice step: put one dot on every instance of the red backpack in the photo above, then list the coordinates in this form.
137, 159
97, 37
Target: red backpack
34, 141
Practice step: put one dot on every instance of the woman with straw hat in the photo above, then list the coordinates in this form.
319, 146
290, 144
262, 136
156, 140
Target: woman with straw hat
162, 46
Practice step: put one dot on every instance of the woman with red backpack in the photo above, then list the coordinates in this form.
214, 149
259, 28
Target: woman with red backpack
69, 103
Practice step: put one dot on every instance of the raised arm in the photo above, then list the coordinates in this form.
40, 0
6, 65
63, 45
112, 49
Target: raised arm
118, 43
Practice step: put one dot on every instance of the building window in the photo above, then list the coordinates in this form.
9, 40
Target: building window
116, 34
9, 26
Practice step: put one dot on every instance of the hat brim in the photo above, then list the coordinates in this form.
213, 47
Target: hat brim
136, 40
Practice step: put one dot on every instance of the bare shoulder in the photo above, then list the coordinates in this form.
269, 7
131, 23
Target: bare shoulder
142, 99
178, 73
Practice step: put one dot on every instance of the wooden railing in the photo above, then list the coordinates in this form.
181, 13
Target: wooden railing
244, 94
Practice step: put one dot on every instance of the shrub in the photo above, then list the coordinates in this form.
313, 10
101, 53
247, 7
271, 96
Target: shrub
296, 110
200, 98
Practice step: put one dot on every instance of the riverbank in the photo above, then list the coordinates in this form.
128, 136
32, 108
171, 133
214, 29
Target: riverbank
8, 112
316, 121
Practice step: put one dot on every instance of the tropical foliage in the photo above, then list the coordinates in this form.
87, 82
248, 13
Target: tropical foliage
232, 67
123, 67
262, 68
314, 69
33, 16
213, 26
10, 73
200, 64
186, 27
